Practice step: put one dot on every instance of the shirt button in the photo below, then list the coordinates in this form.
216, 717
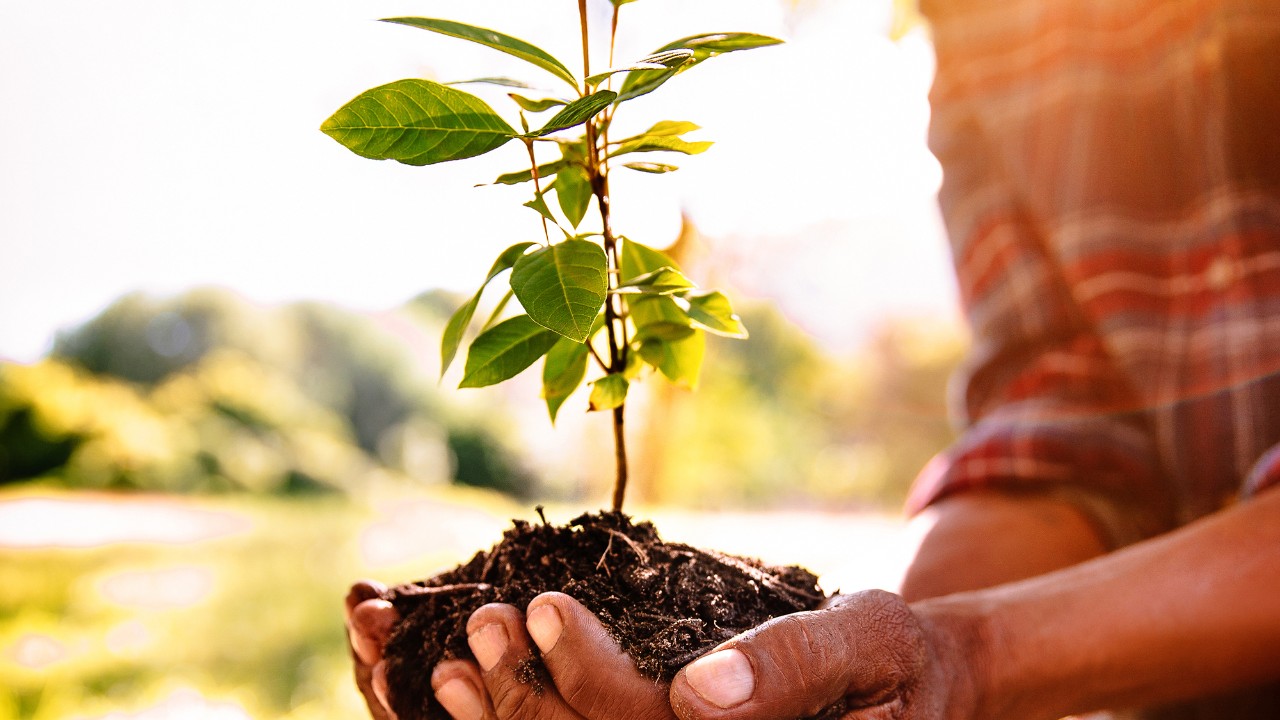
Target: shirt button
1220, 273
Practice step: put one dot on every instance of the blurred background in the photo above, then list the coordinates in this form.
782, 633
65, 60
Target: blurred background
219, 367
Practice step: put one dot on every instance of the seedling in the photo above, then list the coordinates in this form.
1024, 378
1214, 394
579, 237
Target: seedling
589, 295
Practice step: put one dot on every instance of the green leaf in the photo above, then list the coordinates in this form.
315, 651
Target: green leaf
620, 3
539, 205
562, 373
652, 168
663, 281
703, 46
659, 143
453, 331
608, 392
657, 61
577, 112
638, 259
505, 350
712, 312
523, 176
720, 43
669, 331
500, 81
670, 128
530, 105
573, 190
562, 287
461, 318
496, 40
507, 259
659, 312
417, 122
643, 82
679, 359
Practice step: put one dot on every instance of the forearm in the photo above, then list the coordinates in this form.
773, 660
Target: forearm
981, 539
1190, 613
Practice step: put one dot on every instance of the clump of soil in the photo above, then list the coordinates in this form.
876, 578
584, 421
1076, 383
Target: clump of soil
665, 603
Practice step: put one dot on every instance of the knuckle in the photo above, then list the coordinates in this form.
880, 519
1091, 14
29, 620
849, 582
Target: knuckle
513, 700
578, 692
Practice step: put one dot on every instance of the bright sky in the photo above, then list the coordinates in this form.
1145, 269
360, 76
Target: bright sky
160, 146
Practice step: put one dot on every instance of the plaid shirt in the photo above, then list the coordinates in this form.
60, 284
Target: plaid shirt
1112, 192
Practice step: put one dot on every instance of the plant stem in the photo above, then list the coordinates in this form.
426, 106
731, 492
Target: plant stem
620, 457
586, 44
598, 173
537, 187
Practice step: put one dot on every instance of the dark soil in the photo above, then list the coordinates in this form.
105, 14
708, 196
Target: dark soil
665, 603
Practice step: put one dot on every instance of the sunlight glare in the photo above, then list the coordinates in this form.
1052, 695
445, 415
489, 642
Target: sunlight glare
90, 522
162, 589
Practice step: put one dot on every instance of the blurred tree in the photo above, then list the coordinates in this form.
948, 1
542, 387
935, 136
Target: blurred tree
778, 422
341, 360
345, 362
144, 339
208, 392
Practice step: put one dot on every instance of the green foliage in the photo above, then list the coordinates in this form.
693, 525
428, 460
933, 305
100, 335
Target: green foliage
462, 318
566, 286
700, 47
207, 393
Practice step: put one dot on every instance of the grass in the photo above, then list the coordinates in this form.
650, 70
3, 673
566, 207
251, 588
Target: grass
252, 618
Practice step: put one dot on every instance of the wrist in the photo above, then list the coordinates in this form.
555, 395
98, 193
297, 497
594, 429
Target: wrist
960, 633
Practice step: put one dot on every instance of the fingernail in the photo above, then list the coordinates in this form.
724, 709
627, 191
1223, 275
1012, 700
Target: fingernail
545, 626
371, 624
488, 644
460, 700
724, 679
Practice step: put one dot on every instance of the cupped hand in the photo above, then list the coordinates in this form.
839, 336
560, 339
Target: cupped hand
583, 674
869, 651
370, 620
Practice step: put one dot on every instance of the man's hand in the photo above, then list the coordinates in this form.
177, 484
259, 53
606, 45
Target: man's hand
590, 677
369, 623
868, 650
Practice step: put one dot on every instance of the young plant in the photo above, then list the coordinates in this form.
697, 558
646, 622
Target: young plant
588, 296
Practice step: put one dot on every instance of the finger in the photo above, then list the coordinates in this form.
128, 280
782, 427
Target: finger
513, 675
371, 624
459, 688
591, 672
361, 591
862, 648
381, 694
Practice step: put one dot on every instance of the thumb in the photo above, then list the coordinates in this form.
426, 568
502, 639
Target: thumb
592, 673
861, 650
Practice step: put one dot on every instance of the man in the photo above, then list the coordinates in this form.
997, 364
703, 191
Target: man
1102, 536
